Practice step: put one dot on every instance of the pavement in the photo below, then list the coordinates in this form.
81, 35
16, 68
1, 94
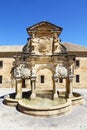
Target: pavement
11, 119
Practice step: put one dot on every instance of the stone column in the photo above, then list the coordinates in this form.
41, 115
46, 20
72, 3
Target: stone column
55, 94
69, 87
33, 87
27, 83
71, 81
13, 82
18, 88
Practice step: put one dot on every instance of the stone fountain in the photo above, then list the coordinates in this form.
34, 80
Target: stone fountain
43, 62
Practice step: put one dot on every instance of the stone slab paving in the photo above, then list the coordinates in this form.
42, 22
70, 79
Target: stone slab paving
11, 119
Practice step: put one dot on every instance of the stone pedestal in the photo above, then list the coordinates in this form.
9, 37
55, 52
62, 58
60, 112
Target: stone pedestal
33, 87
18, 89
55, 94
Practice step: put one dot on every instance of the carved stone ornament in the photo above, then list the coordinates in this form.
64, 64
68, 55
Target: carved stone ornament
61, 71
42, 45
21, 72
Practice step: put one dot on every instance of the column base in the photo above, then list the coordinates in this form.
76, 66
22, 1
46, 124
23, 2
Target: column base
18, 96
55, 95
69, 95
33, 95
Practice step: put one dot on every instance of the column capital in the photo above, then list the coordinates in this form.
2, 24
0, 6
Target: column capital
18, 78
33, 78
55, 78
71, 77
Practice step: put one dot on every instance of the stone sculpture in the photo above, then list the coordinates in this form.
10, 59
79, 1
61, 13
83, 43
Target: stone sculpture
61, 71
21, 71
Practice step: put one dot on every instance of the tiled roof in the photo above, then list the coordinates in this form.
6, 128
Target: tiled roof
11, 48
74, 47
69, 46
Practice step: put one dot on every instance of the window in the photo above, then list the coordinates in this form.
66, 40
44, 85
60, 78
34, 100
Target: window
42, 78
77, 78
60, 80
0, 79
1, 64
77, 63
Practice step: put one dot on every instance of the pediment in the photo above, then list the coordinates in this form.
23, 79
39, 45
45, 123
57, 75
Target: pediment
44, 27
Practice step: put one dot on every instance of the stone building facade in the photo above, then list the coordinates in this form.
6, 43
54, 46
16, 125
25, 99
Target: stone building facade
48, 55
6, 63
80, 72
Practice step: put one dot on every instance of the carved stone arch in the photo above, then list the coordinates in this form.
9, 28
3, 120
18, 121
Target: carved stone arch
46, 67
47, 73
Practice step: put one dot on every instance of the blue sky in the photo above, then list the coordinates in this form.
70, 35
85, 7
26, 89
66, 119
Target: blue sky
17, 15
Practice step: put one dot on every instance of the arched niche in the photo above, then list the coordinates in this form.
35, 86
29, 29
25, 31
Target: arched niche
44, 79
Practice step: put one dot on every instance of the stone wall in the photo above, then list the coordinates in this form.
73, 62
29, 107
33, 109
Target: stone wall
48, 81
81, 71
5, 71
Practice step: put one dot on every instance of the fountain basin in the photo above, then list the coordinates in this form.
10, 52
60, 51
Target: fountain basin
43, 104
76, 99
10, 101
44, 107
